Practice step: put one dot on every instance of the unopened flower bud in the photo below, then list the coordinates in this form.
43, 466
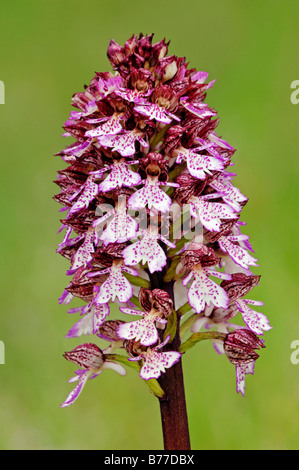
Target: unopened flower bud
157, 299
116, 53
141, 79
239, 285
108, 330
166, 68
165, 97
199, 254
133, 348
87, 355
240, 345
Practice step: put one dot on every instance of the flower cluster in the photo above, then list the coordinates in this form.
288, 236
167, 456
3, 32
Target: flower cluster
146, 155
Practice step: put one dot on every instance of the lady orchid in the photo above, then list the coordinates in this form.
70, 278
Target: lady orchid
152, 229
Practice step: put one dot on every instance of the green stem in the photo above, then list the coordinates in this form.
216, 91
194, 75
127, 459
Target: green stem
196, 337
158, 137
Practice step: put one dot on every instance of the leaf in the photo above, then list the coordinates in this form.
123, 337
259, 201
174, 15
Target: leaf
135, 301
171, 326
170, 273
123, 360
137, 281
155, 387
153, 384
178, 169
179, 246
184, 309
185, 326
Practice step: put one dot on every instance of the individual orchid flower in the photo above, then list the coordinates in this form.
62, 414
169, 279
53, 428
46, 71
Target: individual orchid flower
211, 213
93, 314
151, 195
199, 165
239, 255
157, 307
203, 290
143, 330
154, 362
163, 102
124, 142
93, 360
121, 228
84, 254
109, 125
116, 285
140, 83
120, 175
256, 321
230, 194
89, 191
239, 347
148, 250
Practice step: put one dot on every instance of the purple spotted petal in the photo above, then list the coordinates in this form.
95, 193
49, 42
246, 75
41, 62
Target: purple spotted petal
72, 397
90, 191
156, 363
143, 330
198, 165
204, 291
121, 228
112, 125
84, 254
123, 143
133, 96
119, 176
91, 322
211, 213
230, 194
154, 111
256, 321
238, 254
241, 371
150, 195
115, 286
146, 250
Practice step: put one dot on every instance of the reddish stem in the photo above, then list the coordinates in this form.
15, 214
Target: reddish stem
173, 405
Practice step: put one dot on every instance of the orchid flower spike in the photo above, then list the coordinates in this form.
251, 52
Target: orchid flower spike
152, 221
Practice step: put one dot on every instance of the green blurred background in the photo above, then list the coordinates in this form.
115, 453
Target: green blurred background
49, 50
